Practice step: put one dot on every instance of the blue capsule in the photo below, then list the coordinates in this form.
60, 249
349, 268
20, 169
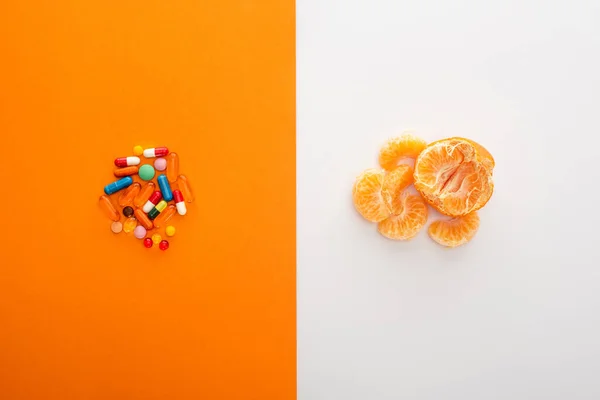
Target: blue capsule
165, 188
118, 185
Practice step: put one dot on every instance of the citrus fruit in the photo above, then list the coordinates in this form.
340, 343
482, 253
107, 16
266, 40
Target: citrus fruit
395, 149
455, 176
409, 216
456, 231
374, 191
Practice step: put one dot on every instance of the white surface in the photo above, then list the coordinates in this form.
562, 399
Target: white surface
515, 314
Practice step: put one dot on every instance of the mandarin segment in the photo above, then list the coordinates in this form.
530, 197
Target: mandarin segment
367, 195
410, 217
395, 149
394, 183
454, 176
455, 232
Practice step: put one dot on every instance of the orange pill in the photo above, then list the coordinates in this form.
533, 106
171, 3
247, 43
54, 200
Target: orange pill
143, 219
165, 216
172, 166
108, 208
186, 189
144, 194
126, 198
126, 171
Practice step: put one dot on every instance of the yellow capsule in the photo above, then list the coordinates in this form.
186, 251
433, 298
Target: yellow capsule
108, 208
156, 238
129, 225
172, 167
144, 194
165, 216
186, 189
161, 205
126, 198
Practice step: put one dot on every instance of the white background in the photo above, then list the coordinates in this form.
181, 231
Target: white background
515, 314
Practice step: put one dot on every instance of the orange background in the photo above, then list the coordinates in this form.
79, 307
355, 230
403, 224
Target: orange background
86, 314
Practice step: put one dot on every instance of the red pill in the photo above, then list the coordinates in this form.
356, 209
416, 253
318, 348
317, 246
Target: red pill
148, 243
127, 161
163, 245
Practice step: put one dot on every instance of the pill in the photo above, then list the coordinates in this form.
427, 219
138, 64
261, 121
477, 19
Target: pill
163, 245
157, 209
108, 208
126, 198
118, 185
160, 164
179, 203
172, 167
128, 211
170, 230
165, 188
186, 189
152, 201
116, 227
144, 194
156, 238
156, 152
146, 172
143, 219
138, 150
127, 161
165, 216
126, 171
148, 243
129, 225
139, 232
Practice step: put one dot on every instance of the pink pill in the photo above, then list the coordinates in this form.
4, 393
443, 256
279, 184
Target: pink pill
139, 232
160, 164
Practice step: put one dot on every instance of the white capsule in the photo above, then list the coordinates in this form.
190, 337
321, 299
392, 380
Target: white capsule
156, 152
181, 208
147, 207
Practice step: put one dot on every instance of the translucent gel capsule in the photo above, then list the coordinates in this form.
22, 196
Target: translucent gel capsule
186, 188
144, 194
126, 198
108, 209
129, 225
165, 216
172, 167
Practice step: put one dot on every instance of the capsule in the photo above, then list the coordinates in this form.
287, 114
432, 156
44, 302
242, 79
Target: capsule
118, 185
179, 203
152, 201
143, 219
184, 185
165, 216
172, 167
108, 208
165, 188
127, 161
156, 152
144, 194
126, 198
157, 209
126, 171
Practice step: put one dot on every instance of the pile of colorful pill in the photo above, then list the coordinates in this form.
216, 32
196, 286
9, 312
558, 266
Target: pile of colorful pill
146, 210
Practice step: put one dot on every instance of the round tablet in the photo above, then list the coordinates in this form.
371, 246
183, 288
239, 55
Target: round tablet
170, 230
138, 150
148, 243
128, 211
160, 164
139, 232
146, 172
116, 227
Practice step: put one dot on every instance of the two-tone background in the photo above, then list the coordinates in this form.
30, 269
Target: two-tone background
274, 288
